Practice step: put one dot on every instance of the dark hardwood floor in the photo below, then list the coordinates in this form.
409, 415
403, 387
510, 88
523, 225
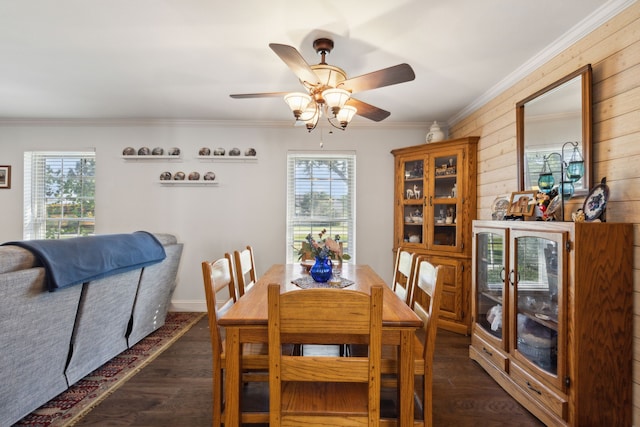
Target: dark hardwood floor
175, 390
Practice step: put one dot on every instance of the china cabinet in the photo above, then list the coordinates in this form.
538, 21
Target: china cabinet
552, 317
435, 202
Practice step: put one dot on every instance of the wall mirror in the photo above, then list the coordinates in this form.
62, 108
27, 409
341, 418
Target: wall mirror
553, 130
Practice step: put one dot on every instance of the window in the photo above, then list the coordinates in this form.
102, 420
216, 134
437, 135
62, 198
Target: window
320, 195
534, 164
59, 194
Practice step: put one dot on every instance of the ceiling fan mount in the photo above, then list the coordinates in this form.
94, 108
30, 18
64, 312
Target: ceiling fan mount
322, 47
328, 90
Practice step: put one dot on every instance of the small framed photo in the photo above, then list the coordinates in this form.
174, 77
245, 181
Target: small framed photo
5, 177
522, 203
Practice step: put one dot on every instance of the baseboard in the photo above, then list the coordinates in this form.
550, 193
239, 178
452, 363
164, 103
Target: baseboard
195, 306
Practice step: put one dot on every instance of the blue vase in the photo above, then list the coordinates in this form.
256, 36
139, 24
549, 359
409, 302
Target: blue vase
322, 270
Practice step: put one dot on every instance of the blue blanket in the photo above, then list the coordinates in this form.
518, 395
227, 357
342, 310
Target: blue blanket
82, 259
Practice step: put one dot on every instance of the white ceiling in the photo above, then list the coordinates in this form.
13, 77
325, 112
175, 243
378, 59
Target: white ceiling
180, 59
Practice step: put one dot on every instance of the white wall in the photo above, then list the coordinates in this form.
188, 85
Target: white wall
248, 205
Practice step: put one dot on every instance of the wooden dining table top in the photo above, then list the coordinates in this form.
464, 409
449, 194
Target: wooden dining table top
252, 308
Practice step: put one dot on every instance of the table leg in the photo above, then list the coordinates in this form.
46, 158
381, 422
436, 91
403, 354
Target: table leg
232, 378
406, 379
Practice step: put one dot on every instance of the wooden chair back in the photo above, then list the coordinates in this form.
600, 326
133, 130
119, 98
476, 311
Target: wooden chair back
324, 390
234, 275
403, 274
245, 270
428, 282
220, 295
217, 278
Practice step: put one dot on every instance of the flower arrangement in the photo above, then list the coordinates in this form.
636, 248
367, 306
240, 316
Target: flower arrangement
323, 247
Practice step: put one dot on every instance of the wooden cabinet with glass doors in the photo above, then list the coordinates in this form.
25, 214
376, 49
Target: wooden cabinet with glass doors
552, 317
435, 197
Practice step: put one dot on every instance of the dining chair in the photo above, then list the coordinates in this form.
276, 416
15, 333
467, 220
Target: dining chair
233, 276
245, 270
428, 282
324, 390
402, 274
218, 282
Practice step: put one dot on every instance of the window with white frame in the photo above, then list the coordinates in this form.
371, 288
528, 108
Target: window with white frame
321, 195
59, 194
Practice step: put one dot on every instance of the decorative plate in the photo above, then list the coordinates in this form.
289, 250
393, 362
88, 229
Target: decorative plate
499, 207
500, 204
596, 202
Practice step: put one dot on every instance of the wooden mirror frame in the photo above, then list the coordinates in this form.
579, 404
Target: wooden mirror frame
586, 74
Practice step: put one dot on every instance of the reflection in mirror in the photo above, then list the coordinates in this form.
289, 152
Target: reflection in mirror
554, 136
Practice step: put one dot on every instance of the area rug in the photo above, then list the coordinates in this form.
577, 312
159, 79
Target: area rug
71, 405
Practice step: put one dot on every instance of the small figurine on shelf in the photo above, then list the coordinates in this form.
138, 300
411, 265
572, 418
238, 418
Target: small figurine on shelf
454, 190
417, 170
449, 218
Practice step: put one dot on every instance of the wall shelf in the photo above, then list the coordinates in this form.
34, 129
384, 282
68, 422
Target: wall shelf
151, 157
231, 159
187, 183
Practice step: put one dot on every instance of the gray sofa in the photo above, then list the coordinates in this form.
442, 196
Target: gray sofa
50, 340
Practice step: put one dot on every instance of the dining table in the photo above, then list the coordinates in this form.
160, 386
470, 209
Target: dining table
246, 322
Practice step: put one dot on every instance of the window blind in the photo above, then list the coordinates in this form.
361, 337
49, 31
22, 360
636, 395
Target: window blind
321, 195
59, 194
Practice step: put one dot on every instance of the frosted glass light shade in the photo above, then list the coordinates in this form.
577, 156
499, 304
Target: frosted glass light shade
345, 115
298, 102
335, 99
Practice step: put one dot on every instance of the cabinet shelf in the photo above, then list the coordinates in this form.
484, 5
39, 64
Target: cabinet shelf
493, 296
543, 319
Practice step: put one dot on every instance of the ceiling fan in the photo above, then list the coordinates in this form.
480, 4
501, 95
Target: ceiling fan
328, 90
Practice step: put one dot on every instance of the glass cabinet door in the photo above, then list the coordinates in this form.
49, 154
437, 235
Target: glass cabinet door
537, 265
490, 246
413, 201
444, 202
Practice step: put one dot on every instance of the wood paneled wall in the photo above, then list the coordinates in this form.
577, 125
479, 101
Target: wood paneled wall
613, 50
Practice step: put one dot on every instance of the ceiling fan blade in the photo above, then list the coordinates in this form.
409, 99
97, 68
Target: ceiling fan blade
387, 76
296, 62
258, 95
368, 111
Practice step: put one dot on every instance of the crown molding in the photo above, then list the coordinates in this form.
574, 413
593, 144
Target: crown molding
580, 30
194, 122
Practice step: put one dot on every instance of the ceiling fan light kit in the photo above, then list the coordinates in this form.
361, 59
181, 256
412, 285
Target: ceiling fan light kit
298, 102
329, 92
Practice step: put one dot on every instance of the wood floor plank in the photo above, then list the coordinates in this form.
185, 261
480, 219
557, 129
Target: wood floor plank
175, 390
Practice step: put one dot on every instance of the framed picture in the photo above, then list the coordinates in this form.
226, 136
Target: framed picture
5, 177
522, 203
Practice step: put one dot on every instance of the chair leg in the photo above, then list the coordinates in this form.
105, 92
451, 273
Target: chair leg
427, 400
217, 398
